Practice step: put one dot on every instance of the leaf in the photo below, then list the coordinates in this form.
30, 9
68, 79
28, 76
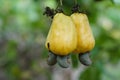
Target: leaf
112, 1
75, 60
92, 73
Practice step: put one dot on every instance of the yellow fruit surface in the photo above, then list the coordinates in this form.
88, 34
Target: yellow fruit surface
62, 37
85, 39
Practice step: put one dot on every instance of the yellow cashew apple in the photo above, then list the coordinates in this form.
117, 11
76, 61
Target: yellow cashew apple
85, 39
62, 37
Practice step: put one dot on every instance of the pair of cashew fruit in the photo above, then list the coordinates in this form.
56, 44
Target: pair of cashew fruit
69, 34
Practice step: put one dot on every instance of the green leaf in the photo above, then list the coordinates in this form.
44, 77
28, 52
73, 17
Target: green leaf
74, 58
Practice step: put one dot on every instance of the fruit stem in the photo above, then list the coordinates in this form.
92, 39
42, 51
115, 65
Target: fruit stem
61, 2
59, 7
76, 8
75, 2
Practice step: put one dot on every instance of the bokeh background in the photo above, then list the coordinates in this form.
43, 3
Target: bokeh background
23, 30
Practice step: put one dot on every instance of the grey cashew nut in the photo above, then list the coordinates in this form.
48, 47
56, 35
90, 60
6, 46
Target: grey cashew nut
85, 59
63, 61
52, 59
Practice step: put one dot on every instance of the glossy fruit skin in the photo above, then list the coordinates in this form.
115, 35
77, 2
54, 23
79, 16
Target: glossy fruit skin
85, 39
62, 37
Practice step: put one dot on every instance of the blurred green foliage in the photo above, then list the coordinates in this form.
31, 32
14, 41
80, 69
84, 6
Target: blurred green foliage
23, 30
